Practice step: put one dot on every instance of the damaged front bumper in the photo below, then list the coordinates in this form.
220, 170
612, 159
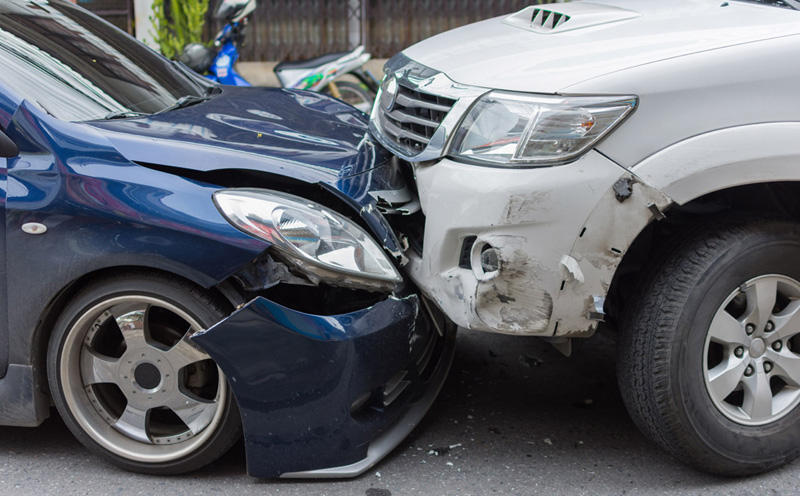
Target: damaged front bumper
555, 236
329, 396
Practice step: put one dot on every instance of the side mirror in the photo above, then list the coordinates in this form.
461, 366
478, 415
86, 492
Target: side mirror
8, 148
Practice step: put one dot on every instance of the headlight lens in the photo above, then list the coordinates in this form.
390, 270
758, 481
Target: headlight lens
517, 129
320, 241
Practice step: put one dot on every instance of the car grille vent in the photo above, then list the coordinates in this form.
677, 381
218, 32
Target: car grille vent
547, 19
393, 388
411, 118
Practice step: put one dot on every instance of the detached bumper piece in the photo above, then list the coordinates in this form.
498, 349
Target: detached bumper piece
329, 396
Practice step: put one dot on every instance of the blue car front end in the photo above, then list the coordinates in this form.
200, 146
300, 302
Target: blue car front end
330, 365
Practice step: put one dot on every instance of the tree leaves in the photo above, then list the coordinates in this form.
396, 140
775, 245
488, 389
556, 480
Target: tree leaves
178, 25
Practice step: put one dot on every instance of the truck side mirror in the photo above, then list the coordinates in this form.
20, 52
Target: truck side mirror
8, 148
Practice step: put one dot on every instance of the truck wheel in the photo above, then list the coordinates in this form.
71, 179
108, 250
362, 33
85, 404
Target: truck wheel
131, 385
709, 354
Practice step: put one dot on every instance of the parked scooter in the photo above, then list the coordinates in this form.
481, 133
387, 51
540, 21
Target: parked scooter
318, 74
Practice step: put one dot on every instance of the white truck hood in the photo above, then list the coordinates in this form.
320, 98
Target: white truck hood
516, 52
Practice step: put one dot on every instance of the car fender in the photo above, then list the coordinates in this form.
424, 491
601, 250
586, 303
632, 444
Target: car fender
724, 159
110, 213
678, 174
615, 222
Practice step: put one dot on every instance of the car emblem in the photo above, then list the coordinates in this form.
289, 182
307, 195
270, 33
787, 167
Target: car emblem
390, 94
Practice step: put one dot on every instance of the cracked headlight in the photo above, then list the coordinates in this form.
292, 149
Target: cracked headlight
518, 130
321, 243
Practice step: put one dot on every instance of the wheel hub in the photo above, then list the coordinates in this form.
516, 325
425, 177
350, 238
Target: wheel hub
147, 375
757, 348
147, 378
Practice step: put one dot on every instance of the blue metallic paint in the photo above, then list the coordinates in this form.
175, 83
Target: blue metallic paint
295, 377
101, 211
307, 136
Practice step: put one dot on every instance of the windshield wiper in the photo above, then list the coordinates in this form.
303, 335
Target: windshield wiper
793, 4
185, 101
122, 114
208, 86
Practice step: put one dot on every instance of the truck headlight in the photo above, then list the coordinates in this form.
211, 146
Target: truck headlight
314, 239
518, 130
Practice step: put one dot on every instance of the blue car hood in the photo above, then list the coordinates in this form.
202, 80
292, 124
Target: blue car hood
307, 136
301, 135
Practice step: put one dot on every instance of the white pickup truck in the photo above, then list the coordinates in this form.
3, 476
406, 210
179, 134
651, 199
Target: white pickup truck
629, 161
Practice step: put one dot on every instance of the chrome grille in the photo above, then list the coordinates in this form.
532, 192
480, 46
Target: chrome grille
409, 117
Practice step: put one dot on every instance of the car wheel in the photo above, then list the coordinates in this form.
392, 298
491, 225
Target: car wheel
131, 385
709, 354
355, 94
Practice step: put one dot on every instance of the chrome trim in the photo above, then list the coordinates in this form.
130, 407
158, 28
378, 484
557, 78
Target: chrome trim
419, 78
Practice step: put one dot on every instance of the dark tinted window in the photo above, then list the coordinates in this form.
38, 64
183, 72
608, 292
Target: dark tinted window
774, 3
78, 67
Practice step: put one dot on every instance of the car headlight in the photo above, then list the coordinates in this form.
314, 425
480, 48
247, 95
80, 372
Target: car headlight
318, 241
519, 130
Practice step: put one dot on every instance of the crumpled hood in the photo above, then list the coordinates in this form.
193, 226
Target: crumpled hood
300, 135
514, 52
307, 136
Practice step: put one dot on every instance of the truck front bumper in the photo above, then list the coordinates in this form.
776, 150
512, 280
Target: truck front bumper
329, 396
556, 235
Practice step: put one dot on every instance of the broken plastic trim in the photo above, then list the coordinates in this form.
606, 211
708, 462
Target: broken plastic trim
272, 268
296, 376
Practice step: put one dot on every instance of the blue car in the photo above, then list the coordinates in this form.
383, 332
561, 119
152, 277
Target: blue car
181, 262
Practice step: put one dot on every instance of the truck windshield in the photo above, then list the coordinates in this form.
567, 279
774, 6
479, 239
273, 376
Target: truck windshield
77, 67
787, 4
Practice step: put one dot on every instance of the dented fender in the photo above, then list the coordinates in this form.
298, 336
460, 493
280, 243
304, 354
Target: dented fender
609, 231
558, 235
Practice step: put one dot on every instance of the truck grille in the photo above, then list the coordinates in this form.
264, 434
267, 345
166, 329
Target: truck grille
410, 117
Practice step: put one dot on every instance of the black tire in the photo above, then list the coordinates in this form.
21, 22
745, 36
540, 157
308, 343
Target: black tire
677, 353
185, 415
355, 94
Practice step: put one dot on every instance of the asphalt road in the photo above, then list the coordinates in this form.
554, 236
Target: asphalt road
515, 417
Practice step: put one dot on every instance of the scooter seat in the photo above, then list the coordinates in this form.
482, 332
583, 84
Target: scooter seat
310, 63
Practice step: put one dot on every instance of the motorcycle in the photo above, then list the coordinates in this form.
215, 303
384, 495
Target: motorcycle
318, 74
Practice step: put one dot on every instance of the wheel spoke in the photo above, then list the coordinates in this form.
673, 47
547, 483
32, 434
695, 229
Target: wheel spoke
133, 423
184, 353
786, 366
725, 329
132, 322
195, 413
787, 323
761, 297
724, 378
757, 395
97, 368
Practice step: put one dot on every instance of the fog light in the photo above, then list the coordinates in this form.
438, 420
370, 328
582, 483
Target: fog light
490, 262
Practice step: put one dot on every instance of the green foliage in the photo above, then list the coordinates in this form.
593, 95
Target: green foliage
182, 26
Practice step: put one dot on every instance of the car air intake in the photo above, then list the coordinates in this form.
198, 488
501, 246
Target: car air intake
547, 19
570, 16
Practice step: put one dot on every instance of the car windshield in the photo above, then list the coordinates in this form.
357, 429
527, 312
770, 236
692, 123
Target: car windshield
77, 67
787, 4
